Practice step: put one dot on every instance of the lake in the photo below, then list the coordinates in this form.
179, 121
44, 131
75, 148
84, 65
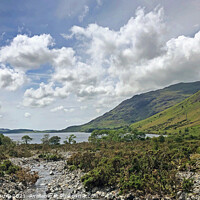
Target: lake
80, 136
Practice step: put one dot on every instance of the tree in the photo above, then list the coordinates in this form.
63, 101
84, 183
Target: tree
70, 139
54, 140
26, 139
45, 139
161, 138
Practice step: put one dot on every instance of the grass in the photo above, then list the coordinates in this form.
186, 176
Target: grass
183, 116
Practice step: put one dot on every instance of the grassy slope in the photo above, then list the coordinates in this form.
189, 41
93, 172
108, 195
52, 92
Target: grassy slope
183, 115
140, 107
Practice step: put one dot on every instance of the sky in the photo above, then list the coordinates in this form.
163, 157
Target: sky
66, 62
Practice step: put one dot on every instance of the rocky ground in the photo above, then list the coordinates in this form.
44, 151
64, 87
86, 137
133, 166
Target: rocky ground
58, 182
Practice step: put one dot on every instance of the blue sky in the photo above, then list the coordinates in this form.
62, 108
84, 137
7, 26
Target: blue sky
66, 62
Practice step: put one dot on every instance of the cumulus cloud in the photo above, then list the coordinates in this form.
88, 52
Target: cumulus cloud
11, 79
69, 109
31, 52
62, 108
107, 64
137, 57
40, 97
57, 109
27, 115
27, 52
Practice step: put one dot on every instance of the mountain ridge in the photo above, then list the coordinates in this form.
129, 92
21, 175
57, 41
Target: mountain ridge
139, 107
177, 118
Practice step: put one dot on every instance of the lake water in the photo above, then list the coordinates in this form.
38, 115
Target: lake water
80, 136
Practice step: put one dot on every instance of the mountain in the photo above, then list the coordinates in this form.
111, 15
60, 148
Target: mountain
177, 118
2, 130
140, 107
6, 131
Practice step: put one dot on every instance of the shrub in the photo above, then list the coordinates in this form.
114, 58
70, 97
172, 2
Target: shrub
187, 184
8, 167
50, 157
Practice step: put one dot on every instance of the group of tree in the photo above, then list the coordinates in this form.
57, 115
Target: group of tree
47, 140
121, 135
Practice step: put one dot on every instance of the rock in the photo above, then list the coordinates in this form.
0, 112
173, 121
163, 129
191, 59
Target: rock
182, 196
11, 192
51, 173
95, 196
9, 197
94, 190
179, 193
100, 193
129, 197
109, 196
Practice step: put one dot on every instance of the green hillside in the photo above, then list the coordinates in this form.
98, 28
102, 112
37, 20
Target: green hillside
140, 107
179, 118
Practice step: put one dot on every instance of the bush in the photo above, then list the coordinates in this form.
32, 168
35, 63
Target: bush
187, 184
50, 157
8, 167
26, 177
150, 166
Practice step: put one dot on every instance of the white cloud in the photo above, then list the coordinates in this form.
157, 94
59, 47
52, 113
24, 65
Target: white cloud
27, 52
137, 57
62, 108
98, 110
114, 65
70, 8
31, 52
57, 109
11, 79
69, 109
83, 107
40, 97
27, 115
83, 14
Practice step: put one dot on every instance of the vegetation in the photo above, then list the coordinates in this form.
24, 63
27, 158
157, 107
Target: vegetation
24, 176
45, 139
50, 157
181, 118
137, 165
70, 139
26, 139
139, 107
124, 157
54, 140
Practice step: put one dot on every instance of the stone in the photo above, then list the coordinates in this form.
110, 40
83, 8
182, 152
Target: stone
109, 196
51, 173
130, 196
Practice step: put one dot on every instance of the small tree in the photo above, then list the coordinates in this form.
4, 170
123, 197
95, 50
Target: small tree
54, 140
70, 139
26, 139
45, 139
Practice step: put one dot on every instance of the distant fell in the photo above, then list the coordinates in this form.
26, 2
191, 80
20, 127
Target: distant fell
176, 119
140, 107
